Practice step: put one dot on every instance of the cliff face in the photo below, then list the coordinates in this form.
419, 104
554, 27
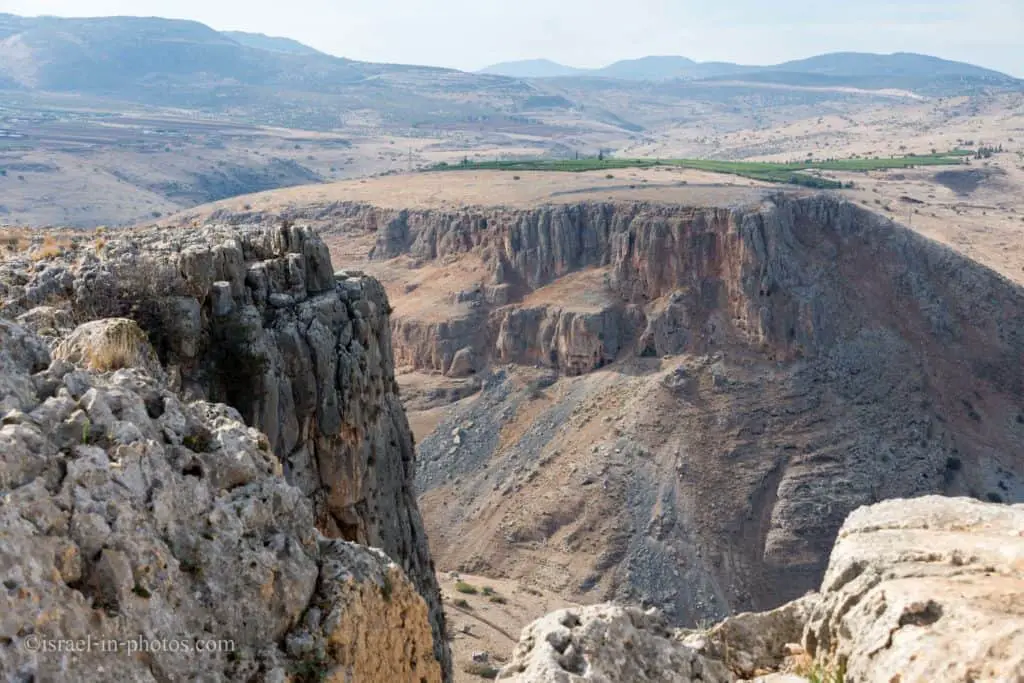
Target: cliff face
790, 274
255, 318
778, 366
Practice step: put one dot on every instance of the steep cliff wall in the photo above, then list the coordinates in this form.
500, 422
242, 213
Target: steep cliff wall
255, 318
821, 358
789, 273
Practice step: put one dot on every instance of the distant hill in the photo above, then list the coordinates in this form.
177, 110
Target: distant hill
649, 68
272, 43
533, 68
266, 80
852, 69
845, 64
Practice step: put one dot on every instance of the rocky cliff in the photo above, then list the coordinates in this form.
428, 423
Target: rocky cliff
916, 590
734, 381
234, 518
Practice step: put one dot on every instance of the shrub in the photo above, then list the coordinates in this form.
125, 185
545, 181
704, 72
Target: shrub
499, 599
467, 588
480, 669
462, 604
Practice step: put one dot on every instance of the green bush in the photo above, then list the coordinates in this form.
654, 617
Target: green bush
481, 669
467, 588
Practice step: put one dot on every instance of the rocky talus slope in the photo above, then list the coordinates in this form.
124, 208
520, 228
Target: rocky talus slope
718, 388
916, 590
201, 440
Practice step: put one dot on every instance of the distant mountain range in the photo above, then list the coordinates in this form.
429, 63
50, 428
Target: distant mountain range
899, 70
278, 81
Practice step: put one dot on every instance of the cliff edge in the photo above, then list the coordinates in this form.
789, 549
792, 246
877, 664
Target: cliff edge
202, 436
916, 590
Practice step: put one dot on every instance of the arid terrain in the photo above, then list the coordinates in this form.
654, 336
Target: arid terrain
548, 433
657, 386
228, 117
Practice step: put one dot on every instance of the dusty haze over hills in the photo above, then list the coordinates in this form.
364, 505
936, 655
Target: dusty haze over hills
593, 33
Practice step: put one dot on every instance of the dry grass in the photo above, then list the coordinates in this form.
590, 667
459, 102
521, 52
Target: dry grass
14, 240
50, 248
121, 344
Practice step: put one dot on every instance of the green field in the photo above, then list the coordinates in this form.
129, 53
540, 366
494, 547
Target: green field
795, 173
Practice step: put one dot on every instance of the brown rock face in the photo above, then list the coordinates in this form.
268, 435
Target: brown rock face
820, 358
255, 318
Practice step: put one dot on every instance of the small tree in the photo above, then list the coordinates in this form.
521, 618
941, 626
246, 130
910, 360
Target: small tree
600, 155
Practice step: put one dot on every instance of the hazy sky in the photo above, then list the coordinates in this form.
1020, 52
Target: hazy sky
470, 34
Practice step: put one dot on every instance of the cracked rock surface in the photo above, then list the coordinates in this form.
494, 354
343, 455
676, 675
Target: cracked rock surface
198, 429
927, 589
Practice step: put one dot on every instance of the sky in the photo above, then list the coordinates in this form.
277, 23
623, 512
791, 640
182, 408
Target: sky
472, 34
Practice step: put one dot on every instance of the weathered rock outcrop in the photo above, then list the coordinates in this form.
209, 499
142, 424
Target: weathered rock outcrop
820, 358
607, 643
929, 590
146, 538
917, 590
255, 318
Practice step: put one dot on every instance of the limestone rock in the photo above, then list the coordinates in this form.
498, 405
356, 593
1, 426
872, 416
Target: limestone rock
606, 644
927, 589
753, 642
248, 316
924, 590
462, 363
128, 514
365, 607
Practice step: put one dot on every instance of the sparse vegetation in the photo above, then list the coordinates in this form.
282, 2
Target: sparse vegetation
200, 441
50, 248
466, 588
313, 669
816, 672
481, 669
